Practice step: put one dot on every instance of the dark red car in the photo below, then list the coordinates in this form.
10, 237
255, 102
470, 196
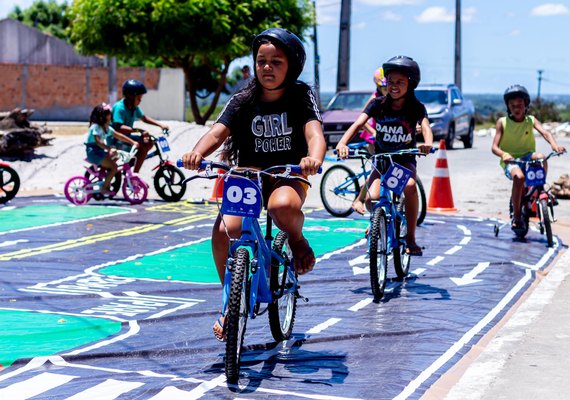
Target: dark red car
341, 112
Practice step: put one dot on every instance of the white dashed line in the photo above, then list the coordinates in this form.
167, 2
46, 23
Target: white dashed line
453, 250
321, 327
435, 260
361, 304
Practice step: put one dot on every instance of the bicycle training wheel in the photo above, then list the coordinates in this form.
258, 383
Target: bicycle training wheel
9, 183
135, 190
282, 309
339, 189
422, 203
237, 313
115, 185
76, 190
401, 258
545, 217
378, 253
168, 183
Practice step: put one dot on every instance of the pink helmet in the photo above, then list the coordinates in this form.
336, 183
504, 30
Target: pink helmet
379, 78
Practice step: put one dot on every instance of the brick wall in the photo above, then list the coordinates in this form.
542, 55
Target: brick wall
60, 92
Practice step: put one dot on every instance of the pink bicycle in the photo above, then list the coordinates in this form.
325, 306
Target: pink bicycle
79, 189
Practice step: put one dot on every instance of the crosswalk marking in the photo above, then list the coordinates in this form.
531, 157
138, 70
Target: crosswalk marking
34, 386
108, 390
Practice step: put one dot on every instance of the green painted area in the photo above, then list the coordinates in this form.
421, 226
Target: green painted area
25, 334
40, 215
194, 263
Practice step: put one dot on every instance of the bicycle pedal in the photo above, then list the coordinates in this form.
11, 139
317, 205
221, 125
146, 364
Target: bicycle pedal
303, 298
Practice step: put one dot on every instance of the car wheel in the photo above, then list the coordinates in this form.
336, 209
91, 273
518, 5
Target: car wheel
468, 139
450, 138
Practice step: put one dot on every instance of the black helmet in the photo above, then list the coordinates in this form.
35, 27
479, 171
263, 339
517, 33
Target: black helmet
290, 44
406, 65
516, 91
133, 87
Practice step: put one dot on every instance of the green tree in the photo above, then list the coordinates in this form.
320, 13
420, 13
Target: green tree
544, 110
47, 16
200, 36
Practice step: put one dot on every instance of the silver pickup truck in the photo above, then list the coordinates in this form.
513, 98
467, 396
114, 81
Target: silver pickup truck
450, 115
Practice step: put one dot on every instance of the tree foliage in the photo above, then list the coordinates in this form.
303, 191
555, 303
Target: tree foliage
200, 36
47, 16
544, 110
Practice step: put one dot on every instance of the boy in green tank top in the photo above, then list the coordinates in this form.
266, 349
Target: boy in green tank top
514, 138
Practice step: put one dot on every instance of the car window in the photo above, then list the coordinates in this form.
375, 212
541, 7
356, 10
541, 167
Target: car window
349, 101
432, 96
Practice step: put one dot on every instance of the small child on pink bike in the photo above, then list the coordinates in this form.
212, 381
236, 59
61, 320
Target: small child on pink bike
96, 147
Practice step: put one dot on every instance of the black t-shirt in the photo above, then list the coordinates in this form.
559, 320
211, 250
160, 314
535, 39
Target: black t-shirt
395, 130
268, 134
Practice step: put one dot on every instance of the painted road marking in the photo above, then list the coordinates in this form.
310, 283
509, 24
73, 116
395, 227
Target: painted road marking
435, 260
110, 389
321, 327
34, 386
13, 242
73, 243
361, 304
469, 277
453, 250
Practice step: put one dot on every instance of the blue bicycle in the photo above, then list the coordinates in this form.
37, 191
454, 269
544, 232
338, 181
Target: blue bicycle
259, 268
388, 223
340, 185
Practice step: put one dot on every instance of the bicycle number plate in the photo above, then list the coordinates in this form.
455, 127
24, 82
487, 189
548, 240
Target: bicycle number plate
163, 143
534, 175
396, 178
242, 197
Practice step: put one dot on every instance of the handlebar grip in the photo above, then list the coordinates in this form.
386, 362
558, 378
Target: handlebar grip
203, 164
297, 169
179, 163
433, 150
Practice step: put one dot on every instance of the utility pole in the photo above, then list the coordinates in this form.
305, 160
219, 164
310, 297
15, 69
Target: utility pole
343, 47
540, 71
317, 58
458, 43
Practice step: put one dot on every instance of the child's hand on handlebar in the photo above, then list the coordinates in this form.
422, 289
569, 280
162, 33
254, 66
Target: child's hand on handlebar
425, 148
558, 148
342, 150
310, 165
192, 160
507, 157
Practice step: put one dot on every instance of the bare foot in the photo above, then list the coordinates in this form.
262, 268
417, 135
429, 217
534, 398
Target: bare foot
359, 207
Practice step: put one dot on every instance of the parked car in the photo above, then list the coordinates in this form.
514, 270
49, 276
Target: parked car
341, 112
450, 115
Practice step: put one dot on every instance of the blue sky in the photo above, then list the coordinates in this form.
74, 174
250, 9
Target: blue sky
504, 41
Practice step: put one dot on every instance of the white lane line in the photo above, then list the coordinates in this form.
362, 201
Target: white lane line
195, 393
434, 221
453, 250
361, 304
435, 260
464, 340
188, 228
134, 328
108, 390
321, 327
469, 277
465, 240
465, 230
418, 271
341, 250
34, 386
13, 242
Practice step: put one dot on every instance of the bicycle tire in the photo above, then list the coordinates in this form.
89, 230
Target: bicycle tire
377, 248
168, 183
135, 190
9, 183
75, 190
545, 217
525, 217
339, 204
237, 314
282, 310
115, 185
401, 258
422, 210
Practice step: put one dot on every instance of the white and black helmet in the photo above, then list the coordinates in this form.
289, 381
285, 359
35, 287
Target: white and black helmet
405, 65
290, 44
516, 91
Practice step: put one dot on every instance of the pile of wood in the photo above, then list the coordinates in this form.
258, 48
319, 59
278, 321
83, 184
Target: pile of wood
18, 136
561, 187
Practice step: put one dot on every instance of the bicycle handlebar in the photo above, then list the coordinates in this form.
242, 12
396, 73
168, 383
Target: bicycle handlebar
357, 152
537, 161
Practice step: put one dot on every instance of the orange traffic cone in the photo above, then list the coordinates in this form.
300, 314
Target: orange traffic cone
440, 197
218, 189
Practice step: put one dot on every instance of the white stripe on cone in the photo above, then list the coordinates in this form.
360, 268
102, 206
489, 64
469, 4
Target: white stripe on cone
441, 173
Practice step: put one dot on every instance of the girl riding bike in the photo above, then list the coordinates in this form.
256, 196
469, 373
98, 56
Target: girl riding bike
396, 116
274, 120
514, 138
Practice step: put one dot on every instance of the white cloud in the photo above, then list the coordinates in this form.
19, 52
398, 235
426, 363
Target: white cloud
435, 14
390, 16
390, 2
360, 25
468, 14
549, 9
515, 32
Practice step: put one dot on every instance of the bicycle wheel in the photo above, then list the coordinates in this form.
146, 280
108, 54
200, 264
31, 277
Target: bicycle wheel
75, 190
9, 183
525, 218
282, 310
339, 189
545, 218
422, 203
168, 183
401, 258
115, 185
135, 190
378, 253
237, 313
